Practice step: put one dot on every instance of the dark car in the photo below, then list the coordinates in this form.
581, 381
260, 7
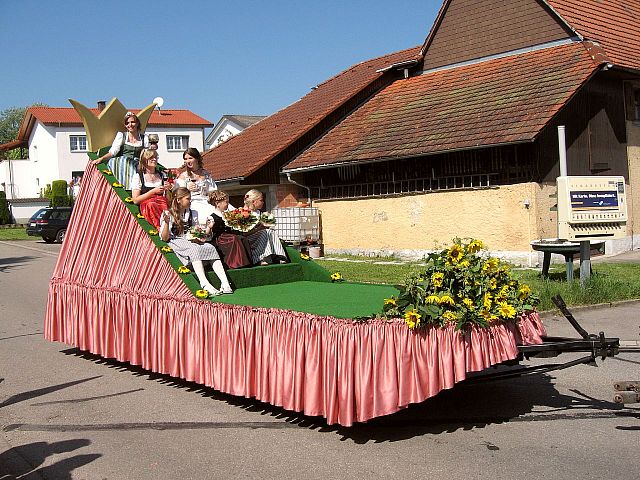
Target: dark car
50, 224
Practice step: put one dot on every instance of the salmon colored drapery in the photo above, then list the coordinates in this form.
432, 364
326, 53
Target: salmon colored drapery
113, 294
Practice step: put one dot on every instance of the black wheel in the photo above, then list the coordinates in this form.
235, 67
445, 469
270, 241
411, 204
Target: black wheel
49, 239
60, 235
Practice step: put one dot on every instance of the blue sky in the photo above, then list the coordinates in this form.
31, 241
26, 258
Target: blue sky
214, 58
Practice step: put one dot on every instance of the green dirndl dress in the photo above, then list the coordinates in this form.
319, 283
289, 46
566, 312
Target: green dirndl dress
125, 165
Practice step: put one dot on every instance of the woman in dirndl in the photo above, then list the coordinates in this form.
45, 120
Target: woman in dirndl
149, 187
198, 181
266, 247
174, 228
124, 154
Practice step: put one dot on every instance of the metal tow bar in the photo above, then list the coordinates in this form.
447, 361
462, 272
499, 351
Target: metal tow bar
596, 345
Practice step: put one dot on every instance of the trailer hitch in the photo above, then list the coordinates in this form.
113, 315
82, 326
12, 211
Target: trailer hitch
595, 345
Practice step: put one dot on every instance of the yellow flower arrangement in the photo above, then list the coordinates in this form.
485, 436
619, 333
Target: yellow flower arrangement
432, 299
463, 286
524, 292
166, 249
455, 253
152, 231
116, 184
446, 300
182, 270
412, 318
449, 316
305, 257
202, 294
475, 246
390, 301
336, 277
506, 310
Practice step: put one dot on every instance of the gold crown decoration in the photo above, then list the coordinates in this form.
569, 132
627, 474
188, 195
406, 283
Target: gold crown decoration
102, 129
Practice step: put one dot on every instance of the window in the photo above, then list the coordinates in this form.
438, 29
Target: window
177, 142
632, 94
78, 143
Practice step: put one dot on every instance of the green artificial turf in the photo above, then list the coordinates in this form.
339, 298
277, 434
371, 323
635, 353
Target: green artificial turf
341, 300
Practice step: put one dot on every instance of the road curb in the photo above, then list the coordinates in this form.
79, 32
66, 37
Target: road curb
548, 314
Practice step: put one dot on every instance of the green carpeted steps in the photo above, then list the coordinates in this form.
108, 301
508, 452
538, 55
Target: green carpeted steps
263, 275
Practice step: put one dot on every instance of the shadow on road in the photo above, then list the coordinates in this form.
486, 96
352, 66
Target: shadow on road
467, 406
25, 461
21, 397
6, 264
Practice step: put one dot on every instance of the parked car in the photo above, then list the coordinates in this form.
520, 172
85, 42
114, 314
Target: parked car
50, 223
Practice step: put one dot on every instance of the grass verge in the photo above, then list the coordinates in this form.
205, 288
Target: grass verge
16, 234
610, 282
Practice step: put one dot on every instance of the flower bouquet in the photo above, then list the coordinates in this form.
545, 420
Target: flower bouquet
241, 219
460, 286
198, 233
267, 219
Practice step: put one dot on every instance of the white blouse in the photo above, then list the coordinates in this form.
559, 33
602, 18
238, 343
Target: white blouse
121, 140
136, 185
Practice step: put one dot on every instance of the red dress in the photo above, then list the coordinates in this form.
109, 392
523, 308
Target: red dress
233, 247
153, 206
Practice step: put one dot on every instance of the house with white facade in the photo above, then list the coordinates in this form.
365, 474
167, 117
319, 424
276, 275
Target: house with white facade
57, 146
229, 126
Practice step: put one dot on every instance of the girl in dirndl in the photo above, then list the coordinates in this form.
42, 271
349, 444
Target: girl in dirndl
266, 246
149, 187
124, 154
174, 226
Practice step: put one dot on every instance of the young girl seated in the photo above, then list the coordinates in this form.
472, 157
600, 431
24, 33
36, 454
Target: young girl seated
234, 247
148, 188
264, 242
174, 226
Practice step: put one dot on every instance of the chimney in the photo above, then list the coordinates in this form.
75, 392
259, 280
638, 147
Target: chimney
101, 105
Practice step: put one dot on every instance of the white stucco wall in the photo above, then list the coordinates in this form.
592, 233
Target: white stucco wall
51, 158
173, 159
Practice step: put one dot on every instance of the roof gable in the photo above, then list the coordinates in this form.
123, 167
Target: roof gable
466, 30
615, 24
260, 143
68, 117
506, 100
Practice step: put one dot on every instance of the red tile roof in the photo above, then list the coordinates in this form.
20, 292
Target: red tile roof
244, 154
68, 116
506, 100
615, 24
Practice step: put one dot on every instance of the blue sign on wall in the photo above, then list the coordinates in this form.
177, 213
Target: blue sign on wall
594, 200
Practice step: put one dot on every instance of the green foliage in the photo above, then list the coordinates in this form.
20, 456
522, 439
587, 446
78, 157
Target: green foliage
46, 191
59, 194
5, 215
458, 285
59, 187
10, 120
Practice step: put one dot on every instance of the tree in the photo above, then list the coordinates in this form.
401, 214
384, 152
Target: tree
10, 121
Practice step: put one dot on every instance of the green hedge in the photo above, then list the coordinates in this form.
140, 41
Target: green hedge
5, 215
59, 194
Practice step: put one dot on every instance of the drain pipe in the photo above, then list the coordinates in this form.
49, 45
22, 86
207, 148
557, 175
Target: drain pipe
562, 150
300, 185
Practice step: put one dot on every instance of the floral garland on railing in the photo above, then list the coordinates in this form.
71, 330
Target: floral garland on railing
463, 287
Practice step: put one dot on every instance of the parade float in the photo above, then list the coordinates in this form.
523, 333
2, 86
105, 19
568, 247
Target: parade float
293, 335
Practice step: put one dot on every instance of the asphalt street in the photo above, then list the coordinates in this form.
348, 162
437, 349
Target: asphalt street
69, 415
